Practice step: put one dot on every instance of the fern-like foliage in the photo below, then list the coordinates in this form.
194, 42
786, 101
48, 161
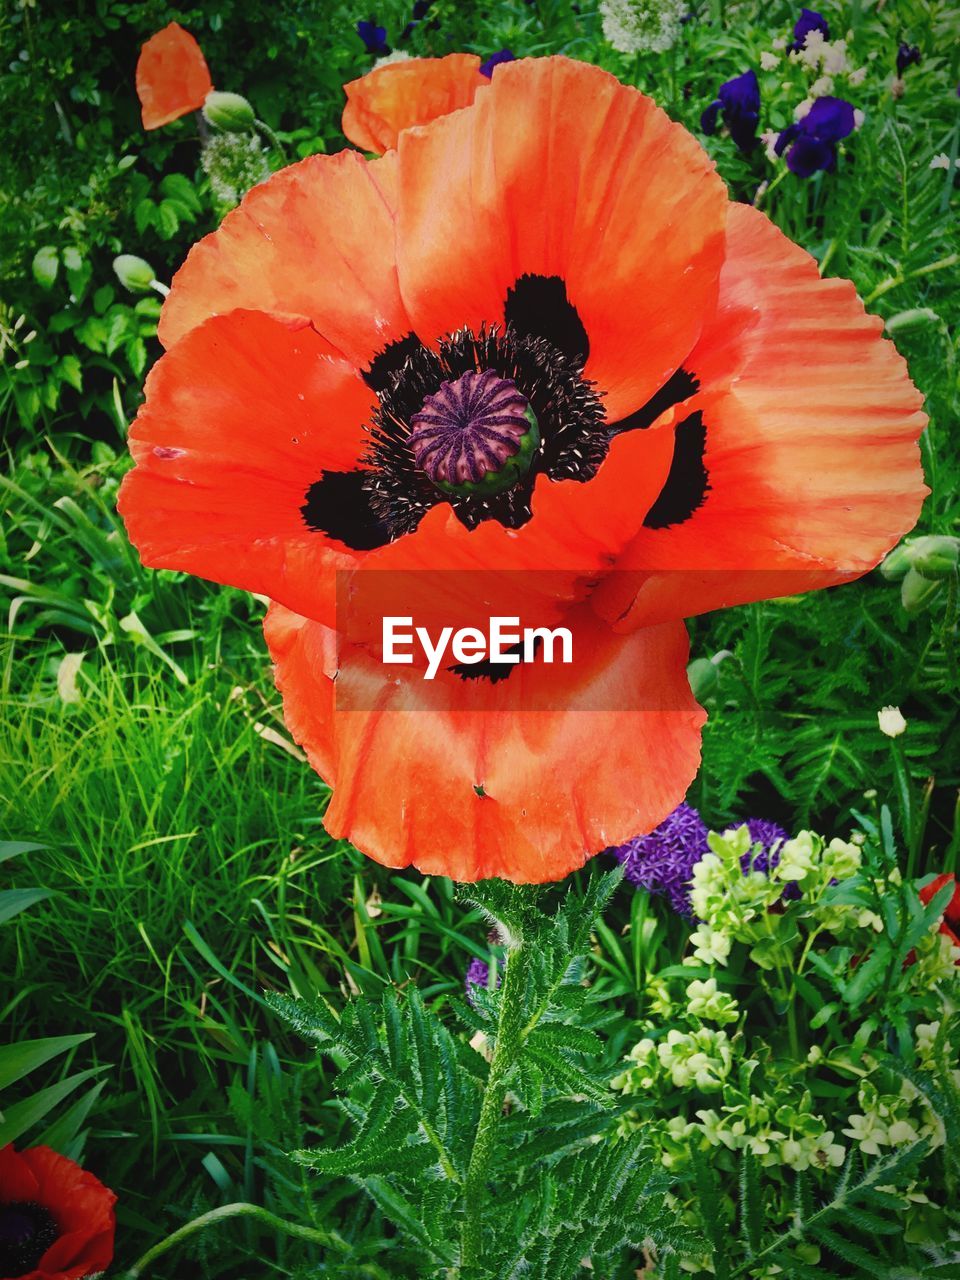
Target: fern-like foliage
842, 1231
554, 1193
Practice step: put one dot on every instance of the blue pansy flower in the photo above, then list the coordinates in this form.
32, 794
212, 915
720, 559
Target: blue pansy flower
808, 21
374, 37
907, 56
813, 140
502, 55
739, 100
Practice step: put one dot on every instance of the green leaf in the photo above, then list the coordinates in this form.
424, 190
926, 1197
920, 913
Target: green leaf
13, 901
24, 1115
18, 1060
46, 264
14, 848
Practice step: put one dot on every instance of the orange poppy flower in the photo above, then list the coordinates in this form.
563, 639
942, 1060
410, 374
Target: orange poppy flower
172, 76
56, 1220
545, 349
399, 95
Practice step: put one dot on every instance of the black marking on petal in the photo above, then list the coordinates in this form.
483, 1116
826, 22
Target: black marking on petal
678, 387
387, 363
494, 671
27, 1230
538, 306
338, 504
687, 482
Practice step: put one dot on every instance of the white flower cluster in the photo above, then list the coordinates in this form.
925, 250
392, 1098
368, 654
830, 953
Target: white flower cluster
234, 162
639, 26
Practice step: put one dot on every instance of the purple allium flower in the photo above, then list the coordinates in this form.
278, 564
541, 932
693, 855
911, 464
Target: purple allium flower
374, 37
478, 975
663, 861
907, 56
808, 21
502, 55
739, 100
814, 138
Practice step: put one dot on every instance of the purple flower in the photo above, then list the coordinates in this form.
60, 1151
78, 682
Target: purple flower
663, 861
907, 56
478, 975
814, 138
808, 21
502, 55
739, 100
374, 37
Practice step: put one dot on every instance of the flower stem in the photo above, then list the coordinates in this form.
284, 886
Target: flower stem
238, 1210
508, 1041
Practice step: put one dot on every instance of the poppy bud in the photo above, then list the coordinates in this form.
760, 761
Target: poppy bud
917, 591
704, 678
228, 111
896, 564
134, 273
935, 556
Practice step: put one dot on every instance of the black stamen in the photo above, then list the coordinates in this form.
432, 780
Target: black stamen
538, 306
573, 435
338, 504
678, 387
384, 366
687, 481
27, 1230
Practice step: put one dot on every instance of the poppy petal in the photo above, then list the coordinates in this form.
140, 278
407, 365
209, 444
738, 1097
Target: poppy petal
811, 459
560, 171
290, 249
244, 420
172, 76
17, 1179
484, 787
403, 94
83, 1208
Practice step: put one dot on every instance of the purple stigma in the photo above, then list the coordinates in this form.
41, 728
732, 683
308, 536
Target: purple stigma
469, 428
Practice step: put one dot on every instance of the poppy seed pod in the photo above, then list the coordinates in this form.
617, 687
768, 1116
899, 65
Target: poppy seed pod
229, 112
135, 274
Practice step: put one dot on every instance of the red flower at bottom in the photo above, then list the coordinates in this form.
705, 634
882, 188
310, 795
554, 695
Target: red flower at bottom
56, 1220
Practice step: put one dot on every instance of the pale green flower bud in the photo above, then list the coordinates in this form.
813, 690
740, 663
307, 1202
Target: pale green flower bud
229, 112
134, 273
916, 591
935, 556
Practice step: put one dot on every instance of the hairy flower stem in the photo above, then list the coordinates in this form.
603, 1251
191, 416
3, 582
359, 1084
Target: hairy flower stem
328, 1239
510, 1027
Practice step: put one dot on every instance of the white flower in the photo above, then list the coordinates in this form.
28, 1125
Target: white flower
769, 140
941, 161
635, 26
801, 109
768, 60
891, 721
857, 77
711, 945
780, 43
858, 118
398, 55
822, 88
835, 58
